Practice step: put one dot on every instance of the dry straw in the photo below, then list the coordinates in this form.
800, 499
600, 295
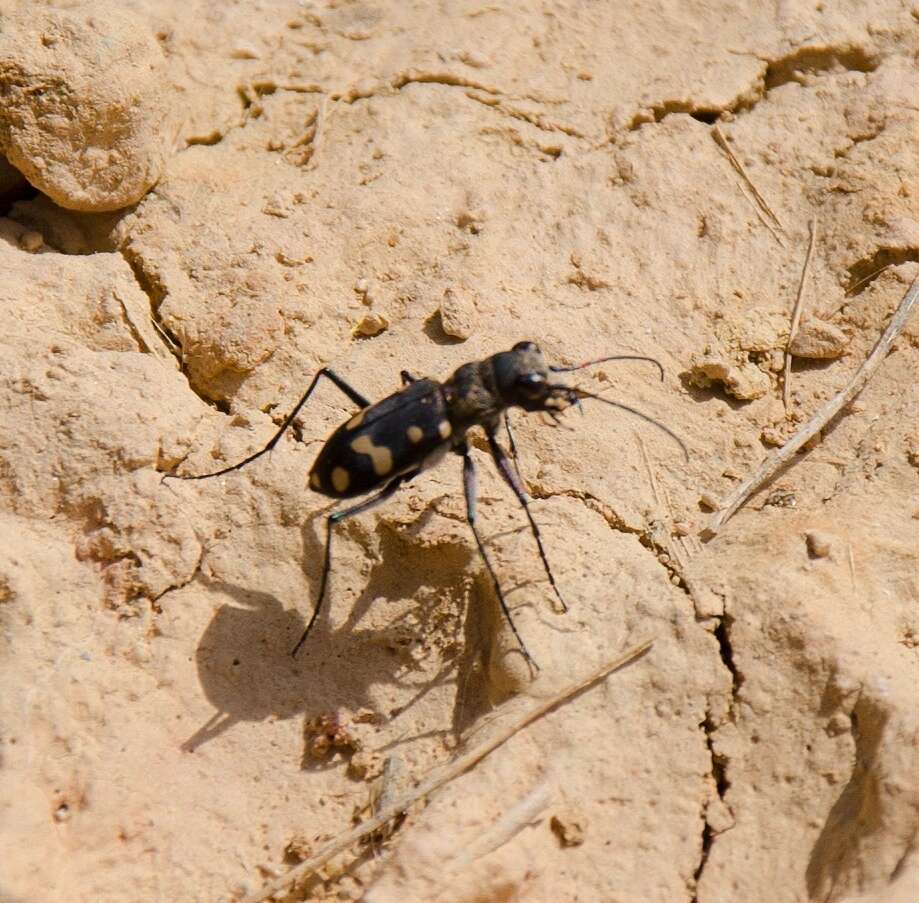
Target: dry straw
772, 464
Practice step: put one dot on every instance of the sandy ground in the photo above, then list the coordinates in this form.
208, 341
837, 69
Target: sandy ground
231, 195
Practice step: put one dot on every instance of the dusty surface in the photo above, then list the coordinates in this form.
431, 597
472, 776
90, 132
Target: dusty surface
409, 185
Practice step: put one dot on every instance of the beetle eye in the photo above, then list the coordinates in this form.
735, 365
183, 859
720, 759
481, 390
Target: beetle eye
530, 382
525, 346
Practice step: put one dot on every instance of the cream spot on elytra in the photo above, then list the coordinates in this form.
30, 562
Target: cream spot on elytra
340, 479
444, 428
356, 420
415, 434
380, 456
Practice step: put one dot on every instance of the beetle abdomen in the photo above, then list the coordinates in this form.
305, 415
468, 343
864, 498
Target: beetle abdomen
388, 438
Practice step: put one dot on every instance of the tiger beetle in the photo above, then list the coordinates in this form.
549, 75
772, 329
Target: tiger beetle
387, 444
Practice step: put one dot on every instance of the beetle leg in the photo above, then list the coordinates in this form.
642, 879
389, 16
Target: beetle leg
407, 377
510, 439
469, 486
345, 387
511, 477
331, 375
330, 522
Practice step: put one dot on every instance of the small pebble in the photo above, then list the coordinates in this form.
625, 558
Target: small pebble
371, 325
474, 59
710, 501
781, 498
772, 436
819, 340
31, 240
819, 543
569, 826
718, 816
840, 723
457, 315
244, 52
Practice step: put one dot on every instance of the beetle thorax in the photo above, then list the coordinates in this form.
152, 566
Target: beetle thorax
472, 398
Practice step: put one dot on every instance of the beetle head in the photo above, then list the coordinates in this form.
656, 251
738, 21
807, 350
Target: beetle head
522, 380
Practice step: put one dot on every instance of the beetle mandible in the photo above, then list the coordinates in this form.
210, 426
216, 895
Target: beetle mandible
388, 443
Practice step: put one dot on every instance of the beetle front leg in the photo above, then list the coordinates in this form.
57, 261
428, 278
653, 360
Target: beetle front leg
510, 440
337, 518
506, 469
469, 487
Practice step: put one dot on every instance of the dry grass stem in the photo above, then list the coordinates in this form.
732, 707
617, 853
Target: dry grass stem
764, 219
443, 776
796, 312
781, 456
852, 289
511, 823
651, 478
760, 200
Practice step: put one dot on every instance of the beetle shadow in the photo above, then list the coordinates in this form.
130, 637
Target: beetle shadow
429, 571
244, 657
247, 672
407, 568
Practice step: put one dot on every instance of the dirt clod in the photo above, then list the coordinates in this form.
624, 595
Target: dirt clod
569, 826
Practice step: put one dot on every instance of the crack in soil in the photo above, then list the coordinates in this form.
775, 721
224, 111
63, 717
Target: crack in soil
155, 601
535, 119
720, 762
719, 775
667, 559
496, 96
249, 95
663, 552
817, 61
791, 67
864, 271
139, 340
860, 138
151, 286
703, 113
723, 635
421, 77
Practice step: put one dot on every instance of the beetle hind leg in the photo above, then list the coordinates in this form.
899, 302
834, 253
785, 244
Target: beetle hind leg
330, 375
336, 518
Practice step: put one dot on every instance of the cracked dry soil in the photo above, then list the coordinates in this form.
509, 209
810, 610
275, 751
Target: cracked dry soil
380, 186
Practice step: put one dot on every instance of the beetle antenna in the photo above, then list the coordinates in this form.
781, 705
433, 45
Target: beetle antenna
583, 393
616, 357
